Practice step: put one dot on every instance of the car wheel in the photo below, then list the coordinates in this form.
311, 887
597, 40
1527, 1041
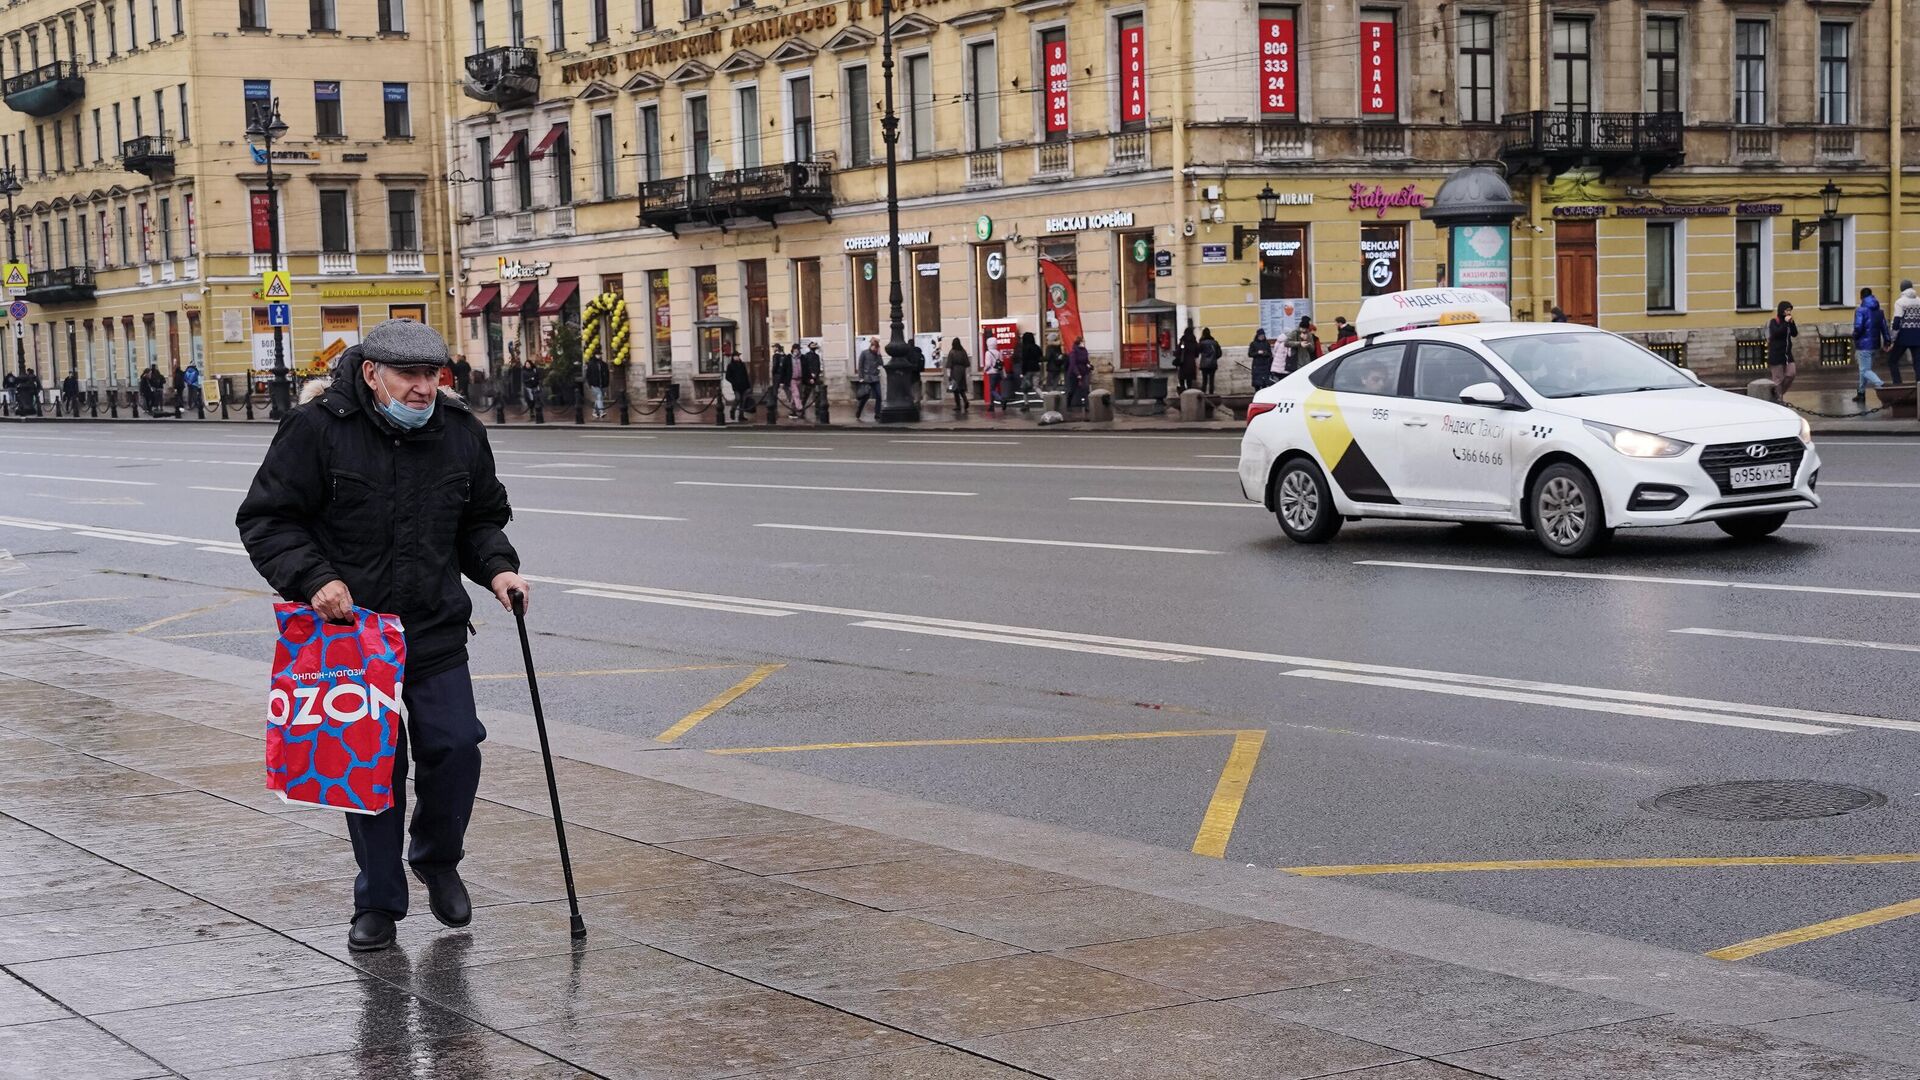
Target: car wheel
1752, 526
1304, 504
1568, 516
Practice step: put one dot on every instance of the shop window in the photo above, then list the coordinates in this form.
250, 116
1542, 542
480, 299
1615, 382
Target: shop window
990, 277
714, 340
1748, 244
924, 265
660, 310
1663, 242
1140, 341
1383, 259
806, 297
1286, 281
864, 271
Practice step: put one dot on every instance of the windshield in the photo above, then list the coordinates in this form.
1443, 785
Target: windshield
1586, 365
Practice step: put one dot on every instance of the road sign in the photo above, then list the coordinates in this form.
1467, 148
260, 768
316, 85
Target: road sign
279, 314
276, 285
14, 275
17, 309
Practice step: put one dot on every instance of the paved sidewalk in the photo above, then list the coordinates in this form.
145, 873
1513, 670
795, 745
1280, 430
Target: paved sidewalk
161, 914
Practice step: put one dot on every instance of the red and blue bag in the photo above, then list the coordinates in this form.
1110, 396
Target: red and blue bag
334, 709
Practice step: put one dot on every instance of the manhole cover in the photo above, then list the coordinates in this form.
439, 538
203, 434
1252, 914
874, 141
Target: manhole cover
1765, 800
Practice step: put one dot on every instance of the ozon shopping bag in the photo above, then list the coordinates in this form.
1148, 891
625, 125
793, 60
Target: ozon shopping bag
334, 710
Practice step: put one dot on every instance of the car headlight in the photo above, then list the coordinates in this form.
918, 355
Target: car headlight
1806, 432
1640, 444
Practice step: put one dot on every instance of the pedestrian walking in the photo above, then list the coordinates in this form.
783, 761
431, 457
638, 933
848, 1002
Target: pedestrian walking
813, 381
70, 394
1781, 330
194, 399
992, 376
482, 389
406, 503
463, 377
1079, 374
1554, 314
152, 386
1869, 338
1032, 362
1906, 331
599, 377
1056, 366
515, 380
741, 380
179, 381
30, 392
781, 383
1187, 358
1260, 356
1343, 332
1302, 345
957, 364
867, 379
1209, 360
10, 385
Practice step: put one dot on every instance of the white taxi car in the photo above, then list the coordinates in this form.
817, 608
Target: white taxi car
1446, 410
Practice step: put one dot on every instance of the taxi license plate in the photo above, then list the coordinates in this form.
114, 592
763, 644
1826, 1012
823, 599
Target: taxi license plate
1750, 476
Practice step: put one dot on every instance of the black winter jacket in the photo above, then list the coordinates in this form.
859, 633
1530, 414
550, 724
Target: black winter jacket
397, 515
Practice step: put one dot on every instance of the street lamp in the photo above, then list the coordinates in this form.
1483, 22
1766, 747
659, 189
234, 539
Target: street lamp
1269, 201
1829, 213
265, 124
901, 374
10, 186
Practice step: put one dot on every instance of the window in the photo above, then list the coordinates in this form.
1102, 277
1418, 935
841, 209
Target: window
1749, 71
1383, 262
1571, 67
66, 242
649, 142
99, 141
1056, 105
327, 123
695, 9
1662, 71
859, 112
522, 172
393, 96
139, 119
120, 218
119, 134
598, 8
699, 138
1279, 61
800, 115
1371, 371
483, 154
190, 225
746, 118
517, 23
253, 16
257, 93
983, 96
556, 24
393, 16
1475, 67
165, 226
1747, 255
919, 105
644, 14
59, 148
990, 272
477, 11
806, 297
660, 311
1833, 264
159, 113
93, 43
403, 219
179, 17
133, 27
335, 233
186, 135
562, 154
1662, 264
86, 248
146, 233
320, 15
153, 26
1836, 64
605, 156
1440, 372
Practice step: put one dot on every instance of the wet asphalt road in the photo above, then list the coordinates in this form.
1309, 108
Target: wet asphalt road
890, 573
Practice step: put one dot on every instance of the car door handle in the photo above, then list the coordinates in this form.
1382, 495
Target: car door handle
1414, 422
1321, 415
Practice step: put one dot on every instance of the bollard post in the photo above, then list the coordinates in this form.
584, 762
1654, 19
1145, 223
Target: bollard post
249, 397
200, 405
773, 406
624, 420
133, 404
113, 403
500, 409
580, 401
672, 403
719, 409
820, 415
226, 393
93, 404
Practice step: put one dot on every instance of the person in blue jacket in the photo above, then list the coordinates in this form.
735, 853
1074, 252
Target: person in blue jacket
1869, 337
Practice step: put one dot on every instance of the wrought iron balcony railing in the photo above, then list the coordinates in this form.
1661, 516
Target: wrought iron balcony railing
503, 74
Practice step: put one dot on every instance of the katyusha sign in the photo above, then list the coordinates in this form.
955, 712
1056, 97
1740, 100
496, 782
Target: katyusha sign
907, 238
1112, 219
1380, 200
739, 34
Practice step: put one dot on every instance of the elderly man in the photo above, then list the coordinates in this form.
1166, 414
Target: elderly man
379, 491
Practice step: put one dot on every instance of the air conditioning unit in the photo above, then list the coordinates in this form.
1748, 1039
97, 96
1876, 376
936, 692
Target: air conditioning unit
1210, 192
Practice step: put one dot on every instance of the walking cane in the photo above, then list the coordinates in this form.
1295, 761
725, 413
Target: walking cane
546, 758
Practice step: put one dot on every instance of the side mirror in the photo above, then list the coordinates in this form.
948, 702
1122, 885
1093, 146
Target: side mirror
1484, 393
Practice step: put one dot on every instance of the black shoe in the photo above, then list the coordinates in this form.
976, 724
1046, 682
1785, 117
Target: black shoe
371, 932
447, 897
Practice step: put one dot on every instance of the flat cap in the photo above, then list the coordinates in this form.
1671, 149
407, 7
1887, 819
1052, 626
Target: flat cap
404, 343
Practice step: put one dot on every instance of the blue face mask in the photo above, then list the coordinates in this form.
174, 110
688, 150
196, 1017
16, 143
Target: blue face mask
404, 416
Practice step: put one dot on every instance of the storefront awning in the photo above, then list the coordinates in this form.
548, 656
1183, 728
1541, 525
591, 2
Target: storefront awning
558, 132
506, 152
716, 323
521, 297
478, 305
1152, 305
558, 298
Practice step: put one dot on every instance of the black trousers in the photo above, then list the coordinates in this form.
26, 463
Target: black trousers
442, 736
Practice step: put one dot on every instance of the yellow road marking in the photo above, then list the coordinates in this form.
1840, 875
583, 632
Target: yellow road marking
1600, 864
1224, 809
188, 614
610, 671
1817, 931
1022, 740
726, 698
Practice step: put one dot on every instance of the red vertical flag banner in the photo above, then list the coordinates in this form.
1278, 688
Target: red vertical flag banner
1057, 75
1379, 94
262, 223
1133, 75
1276, 68
1062, 300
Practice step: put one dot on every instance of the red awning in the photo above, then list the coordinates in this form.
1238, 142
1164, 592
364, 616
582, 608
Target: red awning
478, 305
521, 297
506, 152
558, 298
546, 141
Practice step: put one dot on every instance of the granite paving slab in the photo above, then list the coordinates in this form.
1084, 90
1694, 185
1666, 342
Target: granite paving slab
47, 935
71, 1050
173, 974
1062, 920
950, 878
566, 986
804, 849
1249, 958
710, 907
22, 1004
863, 944
1883, 1031
474, 1055
85, 886
1671, 1048
496, 934
634, 868
926, 1063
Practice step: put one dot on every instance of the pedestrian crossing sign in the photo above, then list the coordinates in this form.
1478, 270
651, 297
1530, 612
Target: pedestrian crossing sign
276, 285
15, 275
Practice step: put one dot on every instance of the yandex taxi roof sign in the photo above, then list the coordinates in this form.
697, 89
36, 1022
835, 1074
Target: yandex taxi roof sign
1429, 307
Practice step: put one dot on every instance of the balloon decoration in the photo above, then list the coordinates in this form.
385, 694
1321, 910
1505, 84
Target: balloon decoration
613, 308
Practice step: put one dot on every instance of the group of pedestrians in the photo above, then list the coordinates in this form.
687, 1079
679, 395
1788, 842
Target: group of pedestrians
1873, 335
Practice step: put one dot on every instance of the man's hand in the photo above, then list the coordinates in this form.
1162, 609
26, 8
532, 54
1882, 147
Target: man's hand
507, 582
334, 602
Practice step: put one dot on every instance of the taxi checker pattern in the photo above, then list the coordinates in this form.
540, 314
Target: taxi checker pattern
326, 747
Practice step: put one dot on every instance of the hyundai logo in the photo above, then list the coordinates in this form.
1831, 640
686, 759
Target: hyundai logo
1758, 450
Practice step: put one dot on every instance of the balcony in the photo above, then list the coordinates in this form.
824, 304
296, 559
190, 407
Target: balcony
1755, 144
1837, 144
1558, 141
983, 169
1129, 150
562, 222
1053, 159
149, 155
46, 89
67, 285
259, 262
523, 225
504, 75
1275, 142
406, 262
761, 192
1383, 140
484, 231
339, 262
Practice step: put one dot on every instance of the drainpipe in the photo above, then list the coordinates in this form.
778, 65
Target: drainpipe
1182, 94
1896, 150
443, 197
1536, 242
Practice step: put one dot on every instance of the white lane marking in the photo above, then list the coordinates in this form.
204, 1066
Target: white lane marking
810, 487
931, 463
1584, 704
232, 491
1220, 457
619, 436
129, 538
1037, 643
545, 476
223, 550
97, 441
670, 601
1167, 502
1797, 639
926, 440
78, 479
1863, 484
113, 533
1909, 444
596, 514
984, 539
1150, 437
1703, 704
1855, 528
128, 457
34, 525
1649, 579
567, 465
772, 446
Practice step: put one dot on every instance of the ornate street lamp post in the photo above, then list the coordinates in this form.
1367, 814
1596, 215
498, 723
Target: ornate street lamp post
266, 125
10, 186
902, 372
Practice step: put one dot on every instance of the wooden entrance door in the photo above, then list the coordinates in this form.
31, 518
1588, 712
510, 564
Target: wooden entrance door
1575, 275
758, 355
